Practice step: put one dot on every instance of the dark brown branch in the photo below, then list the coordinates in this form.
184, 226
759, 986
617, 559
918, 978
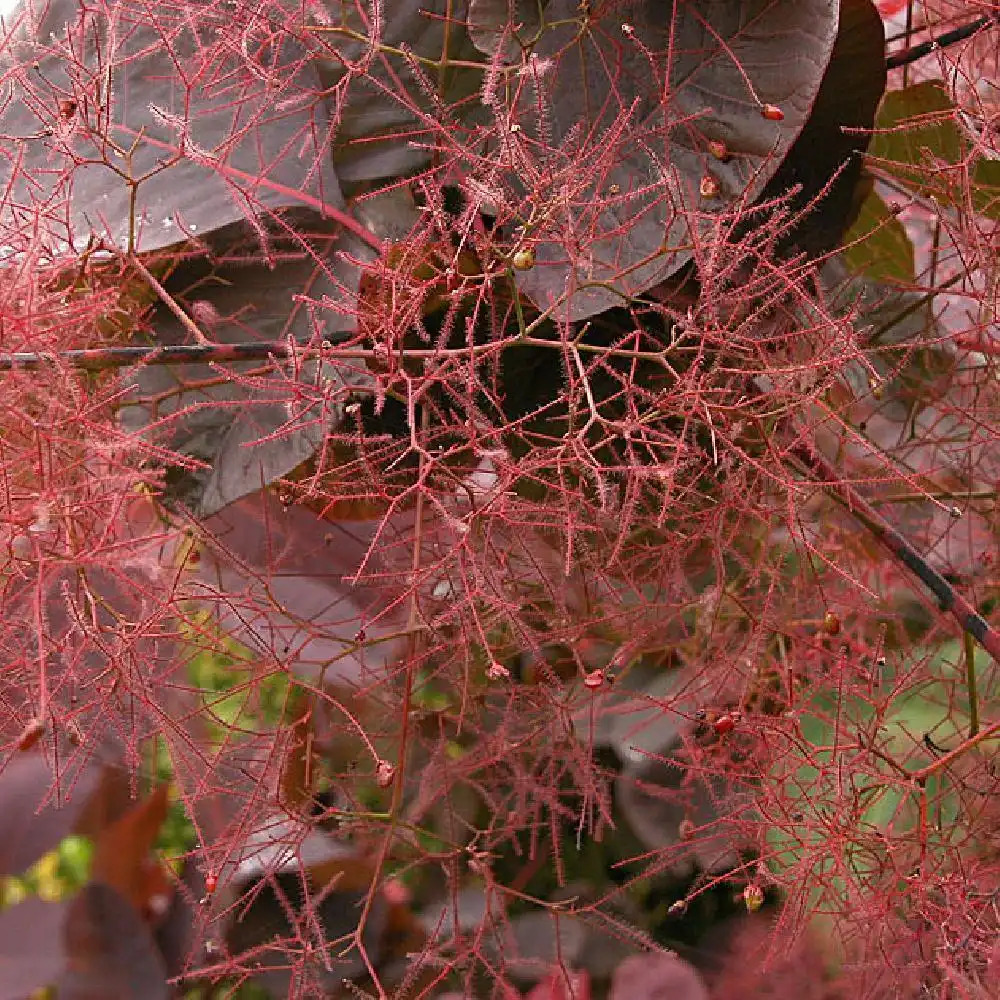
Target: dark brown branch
911, 55
102, 358
949, 600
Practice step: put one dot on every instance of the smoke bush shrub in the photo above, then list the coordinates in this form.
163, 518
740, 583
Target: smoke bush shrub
495, 492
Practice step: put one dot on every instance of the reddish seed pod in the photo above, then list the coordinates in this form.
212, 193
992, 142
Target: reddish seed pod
685, 829
718, 149
594, 680
496, 671
67, 109
772, 113
709, 187
211, 883
30, 735
724, 724
831, 623
523, 259
385, 774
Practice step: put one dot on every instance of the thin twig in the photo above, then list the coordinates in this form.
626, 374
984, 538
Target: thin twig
990, 732
170, 302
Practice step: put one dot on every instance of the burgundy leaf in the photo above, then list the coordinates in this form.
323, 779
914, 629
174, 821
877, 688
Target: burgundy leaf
39, 809
110, 952
213, 137
31, 952
657, 977
291, 595
641, 193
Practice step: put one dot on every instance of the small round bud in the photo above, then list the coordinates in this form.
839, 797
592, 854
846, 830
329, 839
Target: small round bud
31, 734
831, 623
709, 187
385, 774
496, 671
594, 680
523, 259
753, 897
772, 113
685, 829
724, 724
677, 908
718, 149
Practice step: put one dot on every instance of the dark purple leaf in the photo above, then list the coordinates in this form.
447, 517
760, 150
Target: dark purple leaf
110, 952
918, 417
655, 800
287, 577
537, 940
102, 620
246, 431
31, 954
212, 136
657, 977
605, 109
646, 721
296, 890
39, 808
380, 130
491, 26
835, 134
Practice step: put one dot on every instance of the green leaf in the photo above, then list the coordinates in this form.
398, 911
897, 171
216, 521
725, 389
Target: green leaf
920, 144
883, 801
882, 250
913, 123
986, 189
